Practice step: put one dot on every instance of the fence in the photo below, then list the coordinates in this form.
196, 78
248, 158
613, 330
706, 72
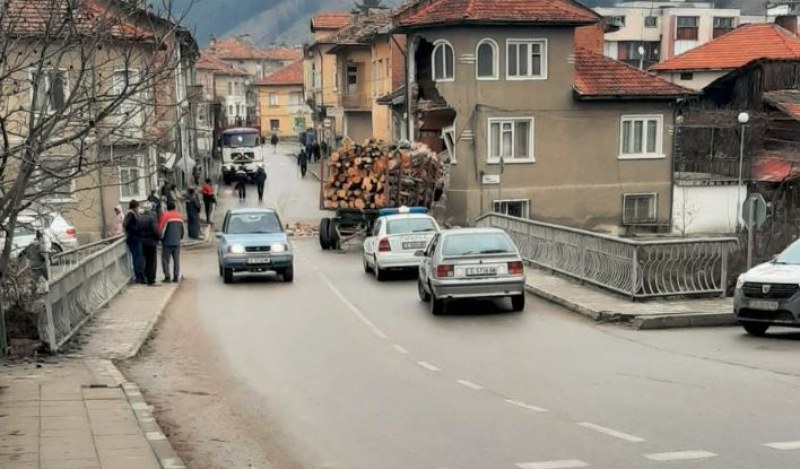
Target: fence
81, 282
638, 269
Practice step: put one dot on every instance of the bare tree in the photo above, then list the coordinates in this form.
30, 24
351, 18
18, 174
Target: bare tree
77, 78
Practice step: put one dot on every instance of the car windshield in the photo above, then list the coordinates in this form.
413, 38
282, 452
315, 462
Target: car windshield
477, 243
790, 255
240, 140
254, 223
410, 225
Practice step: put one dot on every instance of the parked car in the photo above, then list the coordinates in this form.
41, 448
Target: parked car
396, 236
471, 263
253, 240
769, 294
59, 234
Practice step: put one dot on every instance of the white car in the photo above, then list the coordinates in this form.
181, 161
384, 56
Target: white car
396, 236
58, 233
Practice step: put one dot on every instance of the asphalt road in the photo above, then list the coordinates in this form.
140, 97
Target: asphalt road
352, 373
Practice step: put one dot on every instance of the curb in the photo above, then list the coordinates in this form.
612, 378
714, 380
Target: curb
637, 321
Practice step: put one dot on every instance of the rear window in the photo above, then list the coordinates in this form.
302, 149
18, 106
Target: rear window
410, 225
254, 223
477, 243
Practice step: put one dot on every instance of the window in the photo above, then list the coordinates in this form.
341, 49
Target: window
128, 113
638, 208
618, 20
230, 110
513, 208
273, 99
650, 21
352, 78
295, 98
686, 76
335, 79
230, 88
131, 183
274, 125
443, 62
314, 77
686, 28
640, 137
486, 60
611, 49
511, 140
722, 25
55, 178
526, 59
51, 89
449, 137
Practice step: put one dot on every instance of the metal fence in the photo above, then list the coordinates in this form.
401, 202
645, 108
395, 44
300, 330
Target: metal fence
81, 282
638, 269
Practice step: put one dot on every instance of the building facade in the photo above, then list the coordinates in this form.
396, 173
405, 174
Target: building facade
283, 109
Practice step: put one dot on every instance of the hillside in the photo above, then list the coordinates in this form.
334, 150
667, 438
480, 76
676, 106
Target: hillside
286, 21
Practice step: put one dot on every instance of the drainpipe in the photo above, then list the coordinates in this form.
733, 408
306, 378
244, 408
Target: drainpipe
405, 75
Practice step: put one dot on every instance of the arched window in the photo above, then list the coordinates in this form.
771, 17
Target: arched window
486, 60
443, 61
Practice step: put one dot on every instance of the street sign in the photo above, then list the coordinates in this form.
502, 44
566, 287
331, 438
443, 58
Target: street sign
754, 211
491, 179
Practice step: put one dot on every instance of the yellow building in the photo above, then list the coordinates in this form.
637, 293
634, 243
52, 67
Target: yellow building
281, 100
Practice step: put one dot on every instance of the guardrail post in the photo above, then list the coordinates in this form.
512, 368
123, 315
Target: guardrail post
724, 274
51, 325
634, 271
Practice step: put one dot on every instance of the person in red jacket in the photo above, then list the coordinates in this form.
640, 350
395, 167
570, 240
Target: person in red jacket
208, 199
171, 232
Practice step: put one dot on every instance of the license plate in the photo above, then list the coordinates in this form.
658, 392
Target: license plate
764, 305
480, 271
414, 245
258, 260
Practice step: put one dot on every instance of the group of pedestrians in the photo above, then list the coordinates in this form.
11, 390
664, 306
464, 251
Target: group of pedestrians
241, 179
144, 230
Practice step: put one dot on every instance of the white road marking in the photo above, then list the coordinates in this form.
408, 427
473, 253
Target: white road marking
400, 349
375, 329
469, 384
429, 366
680, 455
563, 464
525, 405
784, 445
611, 432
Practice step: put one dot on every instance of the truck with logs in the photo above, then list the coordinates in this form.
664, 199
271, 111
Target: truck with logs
357, 181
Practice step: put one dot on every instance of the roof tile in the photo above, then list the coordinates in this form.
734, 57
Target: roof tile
600, 76
232, 48
212, 63
290, 75
787, 101
436, 12
736, 49
330, 20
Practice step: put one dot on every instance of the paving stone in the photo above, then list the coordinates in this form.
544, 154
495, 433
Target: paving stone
103, 393
11, 448
91, 463
27, 411
21, 465
18, 457
114, 442
65, 423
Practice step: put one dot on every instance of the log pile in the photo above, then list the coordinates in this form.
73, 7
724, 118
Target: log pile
375, 176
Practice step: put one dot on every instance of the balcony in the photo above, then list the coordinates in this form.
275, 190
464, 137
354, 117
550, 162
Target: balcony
708, 169
356, 101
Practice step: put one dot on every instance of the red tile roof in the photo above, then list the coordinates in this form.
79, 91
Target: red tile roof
362, 29
88, 17
290, 75
232, 48
787, 101
599, 76
736, 49
330, 20
439, 12
776, 166
214, 64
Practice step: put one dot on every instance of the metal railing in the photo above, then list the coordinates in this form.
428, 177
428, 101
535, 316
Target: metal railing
81, 282
637, 269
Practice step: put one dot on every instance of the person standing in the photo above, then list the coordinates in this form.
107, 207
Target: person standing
241, 183
116, 227
260, 180
274, 142
130, 225
193, 213
302, 161
155, 203
170, 230
148, 232
316, 152
209, 200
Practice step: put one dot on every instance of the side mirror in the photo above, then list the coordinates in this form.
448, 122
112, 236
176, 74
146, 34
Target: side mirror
419, 254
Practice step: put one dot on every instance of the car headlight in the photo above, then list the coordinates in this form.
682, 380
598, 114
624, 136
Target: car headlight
278, 247
740, 282
236, 249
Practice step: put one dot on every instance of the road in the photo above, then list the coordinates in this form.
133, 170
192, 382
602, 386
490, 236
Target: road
339, 371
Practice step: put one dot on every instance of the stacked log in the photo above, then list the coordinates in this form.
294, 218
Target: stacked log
375, 176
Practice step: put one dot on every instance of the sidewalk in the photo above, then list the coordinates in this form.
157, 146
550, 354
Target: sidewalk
77, 410
609, 307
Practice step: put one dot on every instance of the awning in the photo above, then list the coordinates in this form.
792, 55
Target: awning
776, 168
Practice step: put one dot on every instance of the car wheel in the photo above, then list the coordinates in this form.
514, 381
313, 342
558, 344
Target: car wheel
228, 275
518, 302
423, 293
755, 328
380, 274
288, 274
437, 305
367, 268
333, 237
324, 241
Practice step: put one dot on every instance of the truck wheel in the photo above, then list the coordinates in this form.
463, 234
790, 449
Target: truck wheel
333, 237
757, 329
324, 226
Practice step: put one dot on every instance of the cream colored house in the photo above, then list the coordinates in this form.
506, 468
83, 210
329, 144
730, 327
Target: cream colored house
283, 110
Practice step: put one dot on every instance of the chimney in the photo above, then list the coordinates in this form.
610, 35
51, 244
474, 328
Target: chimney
590, 37
788, 22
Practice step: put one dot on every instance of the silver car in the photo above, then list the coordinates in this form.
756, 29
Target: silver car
394, 241
471, 263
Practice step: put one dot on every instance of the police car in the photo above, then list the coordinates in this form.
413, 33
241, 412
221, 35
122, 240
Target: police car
397, 234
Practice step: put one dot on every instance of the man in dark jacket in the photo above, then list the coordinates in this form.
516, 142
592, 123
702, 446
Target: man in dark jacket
302, 161
130, 224
148, 233
260, 180
193, 213
241, 183
170, 230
